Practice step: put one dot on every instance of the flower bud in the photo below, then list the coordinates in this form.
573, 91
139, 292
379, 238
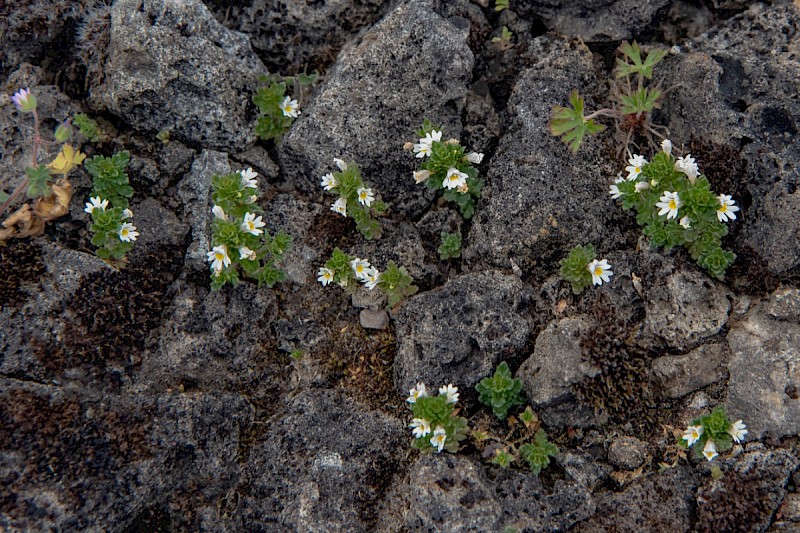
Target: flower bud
63, 131
408, 146
421, 175
24, 100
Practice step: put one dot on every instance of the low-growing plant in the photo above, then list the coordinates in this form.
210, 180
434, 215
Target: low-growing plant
277, 110
501, 392
89, 128
49, 199
356, 200
113, 233
632, 102
500, 5
582, 270
676, 206
109, 178
348, 271
538, 453
450, 247
436, 425
713, 434
239, 239
447, 168
503, 41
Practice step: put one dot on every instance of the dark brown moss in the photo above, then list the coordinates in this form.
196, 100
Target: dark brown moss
21, 265
624, 387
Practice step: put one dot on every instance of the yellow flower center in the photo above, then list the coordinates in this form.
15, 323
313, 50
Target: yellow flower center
638, 170
724, 208
673, 204
598, 271
219, 256
124, 232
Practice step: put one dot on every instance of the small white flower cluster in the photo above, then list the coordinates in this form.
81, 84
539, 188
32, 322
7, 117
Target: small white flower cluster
419, 426
737, 431
364, 272
670, 202
329, 182
127, 231
454, 179
252, 224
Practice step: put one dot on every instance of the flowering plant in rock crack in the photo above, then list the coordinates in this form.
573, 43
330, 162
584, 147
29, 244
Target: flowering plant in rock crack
676, 206
277, 110
582, 270
713, 434
632, 102
356, 200
436, 425
49, 199
347, 271
446, 166
240, 240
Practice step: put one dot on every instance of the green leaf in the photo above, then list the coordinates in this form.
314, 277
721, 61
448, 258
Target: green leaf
500, 5
642, 101
574, 267
38, 182
632, 52
570, 124
450, 247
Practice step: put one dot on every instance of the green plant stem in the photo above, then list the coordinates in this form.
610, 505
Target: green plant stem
37, 141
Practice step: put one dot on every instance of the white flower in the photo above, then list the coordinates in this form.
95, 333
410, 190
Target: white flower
219, 213
692, 434
126, 214
416, 393
253, 224
249, 178
641, 186
686, 222
439, 436
95, 203
247, 253
710, 450
340, 163
329, 182
475, 158
425, 145
687, 165
601, 271
360, 268
421, 175
737, 430
421, 427
218, 256
290, 107
666, 146
634, 167
340, 206
24, 100
128, 233
669, 204
325, 275
372, 279
727, 208
450, 391
455, 179
365, 196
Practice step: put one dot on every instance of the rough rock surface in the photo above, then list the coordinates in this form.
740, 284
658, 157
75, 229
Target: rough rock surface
172, 66
679, 375
744, 76
543, 199
627, 452
372, 103
555, 365
452, 493
686, 308
323, 465
764, 367
460, 332
657, 502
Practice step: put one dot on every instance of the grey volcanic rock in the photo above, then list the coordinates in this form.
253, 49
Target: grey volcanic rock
305, 32
411, 65
686, 308
738, 85
657, 502
765, 366
555, 365
627, 452
172, 66
681, 374
453, 493
544, 200
594, 20
323, 465
459, 333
